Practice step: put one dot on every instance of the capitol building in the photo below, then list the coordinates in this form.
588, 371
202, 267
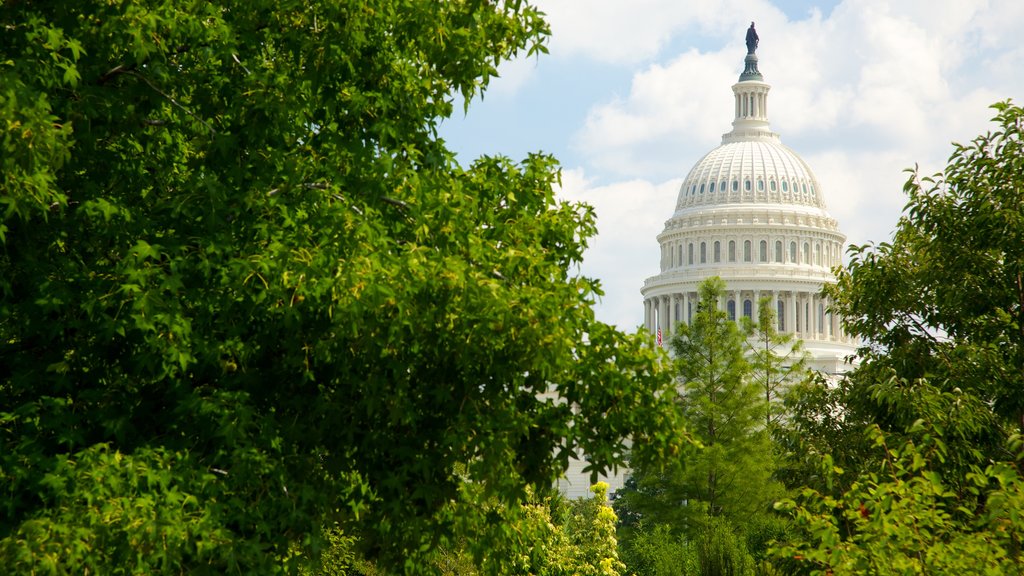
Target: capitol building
751, 212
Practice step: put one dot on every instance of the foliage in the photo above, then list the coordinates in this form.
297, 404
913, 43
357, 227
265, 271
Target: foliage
659, 551
903, 519
728, 473
935, 486
945, 298
246, 292
777, 360
591, 531
720, 552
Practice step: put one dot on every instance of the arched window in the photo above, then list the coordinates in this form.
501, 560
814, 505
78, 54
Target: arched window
780, 310
821, 317
731, 307
764, 250
771, 184
718, 251
817, 253
746, 185
807, 253
748, 309
735, 185
778, 250
680, 253
703, 252
689, 254
711, 187
746, 251
792, 252
785, 186
760, 185
732, 250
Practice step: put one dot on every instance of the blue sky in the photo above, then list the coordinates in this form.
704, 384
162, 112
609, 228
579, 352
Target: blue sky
635, 92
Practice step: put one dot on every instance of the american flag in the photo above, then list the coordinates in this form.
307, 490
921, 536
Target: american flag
659, 336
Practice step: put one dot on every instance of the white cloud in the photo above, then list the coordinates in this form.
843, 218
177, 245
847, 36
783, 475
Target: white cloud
625, 251
620, 32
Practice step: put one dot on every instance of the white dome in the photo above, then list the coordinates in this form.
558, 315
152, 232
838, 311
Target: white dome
752, 212
750, 172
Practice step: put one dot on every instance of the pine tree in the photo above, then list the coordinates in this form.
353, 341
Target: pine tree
777, 360
729, 473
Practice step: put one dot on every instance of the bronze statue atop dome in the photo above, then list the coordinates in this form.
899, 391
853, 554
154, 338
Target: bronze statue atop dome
752, 39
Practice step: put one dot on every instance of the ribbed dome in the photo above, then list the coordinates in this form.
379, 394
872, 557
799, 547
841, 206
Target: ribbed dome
752, 213
756, 171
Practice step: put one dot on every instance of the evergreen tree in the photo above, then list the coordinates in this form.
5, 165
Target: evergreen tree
777, 360
728, 472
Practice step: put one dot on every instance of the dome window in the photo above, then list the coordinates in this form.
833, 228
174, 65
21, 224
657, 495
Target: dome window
735, 185
703, 253
746, 251
718, 251
721, 185
764, 251
805, 188
771, 184
701, 188
778, 251
732, 250
746, 185
785, 186
760, 185
792, 252
711, 187
689, 254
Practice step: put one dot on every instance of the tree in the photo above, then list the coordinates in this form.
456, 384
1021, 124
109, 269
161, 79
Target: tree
937, 487
777, 361
247, 296
591, 530
945, 298
729, 472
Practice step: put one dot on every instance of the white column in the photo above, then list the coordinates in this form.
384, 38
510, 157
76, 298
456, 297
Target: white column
755, 309
672, 320
737, 306
791, 313
663, 315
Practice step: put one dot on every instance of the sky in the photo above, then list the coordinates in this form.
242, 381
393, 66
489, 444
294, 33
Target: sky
634, 92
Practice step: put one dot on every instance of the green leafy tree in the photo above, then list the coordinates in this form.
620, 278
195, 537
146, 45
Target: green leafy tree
591, 531
728, 472
936, 488
902, 518
945, 298
246, 293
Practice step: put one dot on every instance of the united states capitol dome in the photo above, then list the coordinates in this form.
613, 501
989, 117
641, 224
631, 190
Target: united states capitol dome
752, 212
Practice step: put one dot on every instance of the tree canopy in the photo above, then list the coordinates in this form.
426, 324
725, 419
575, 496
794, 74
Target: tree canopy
928, 427
246, 293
